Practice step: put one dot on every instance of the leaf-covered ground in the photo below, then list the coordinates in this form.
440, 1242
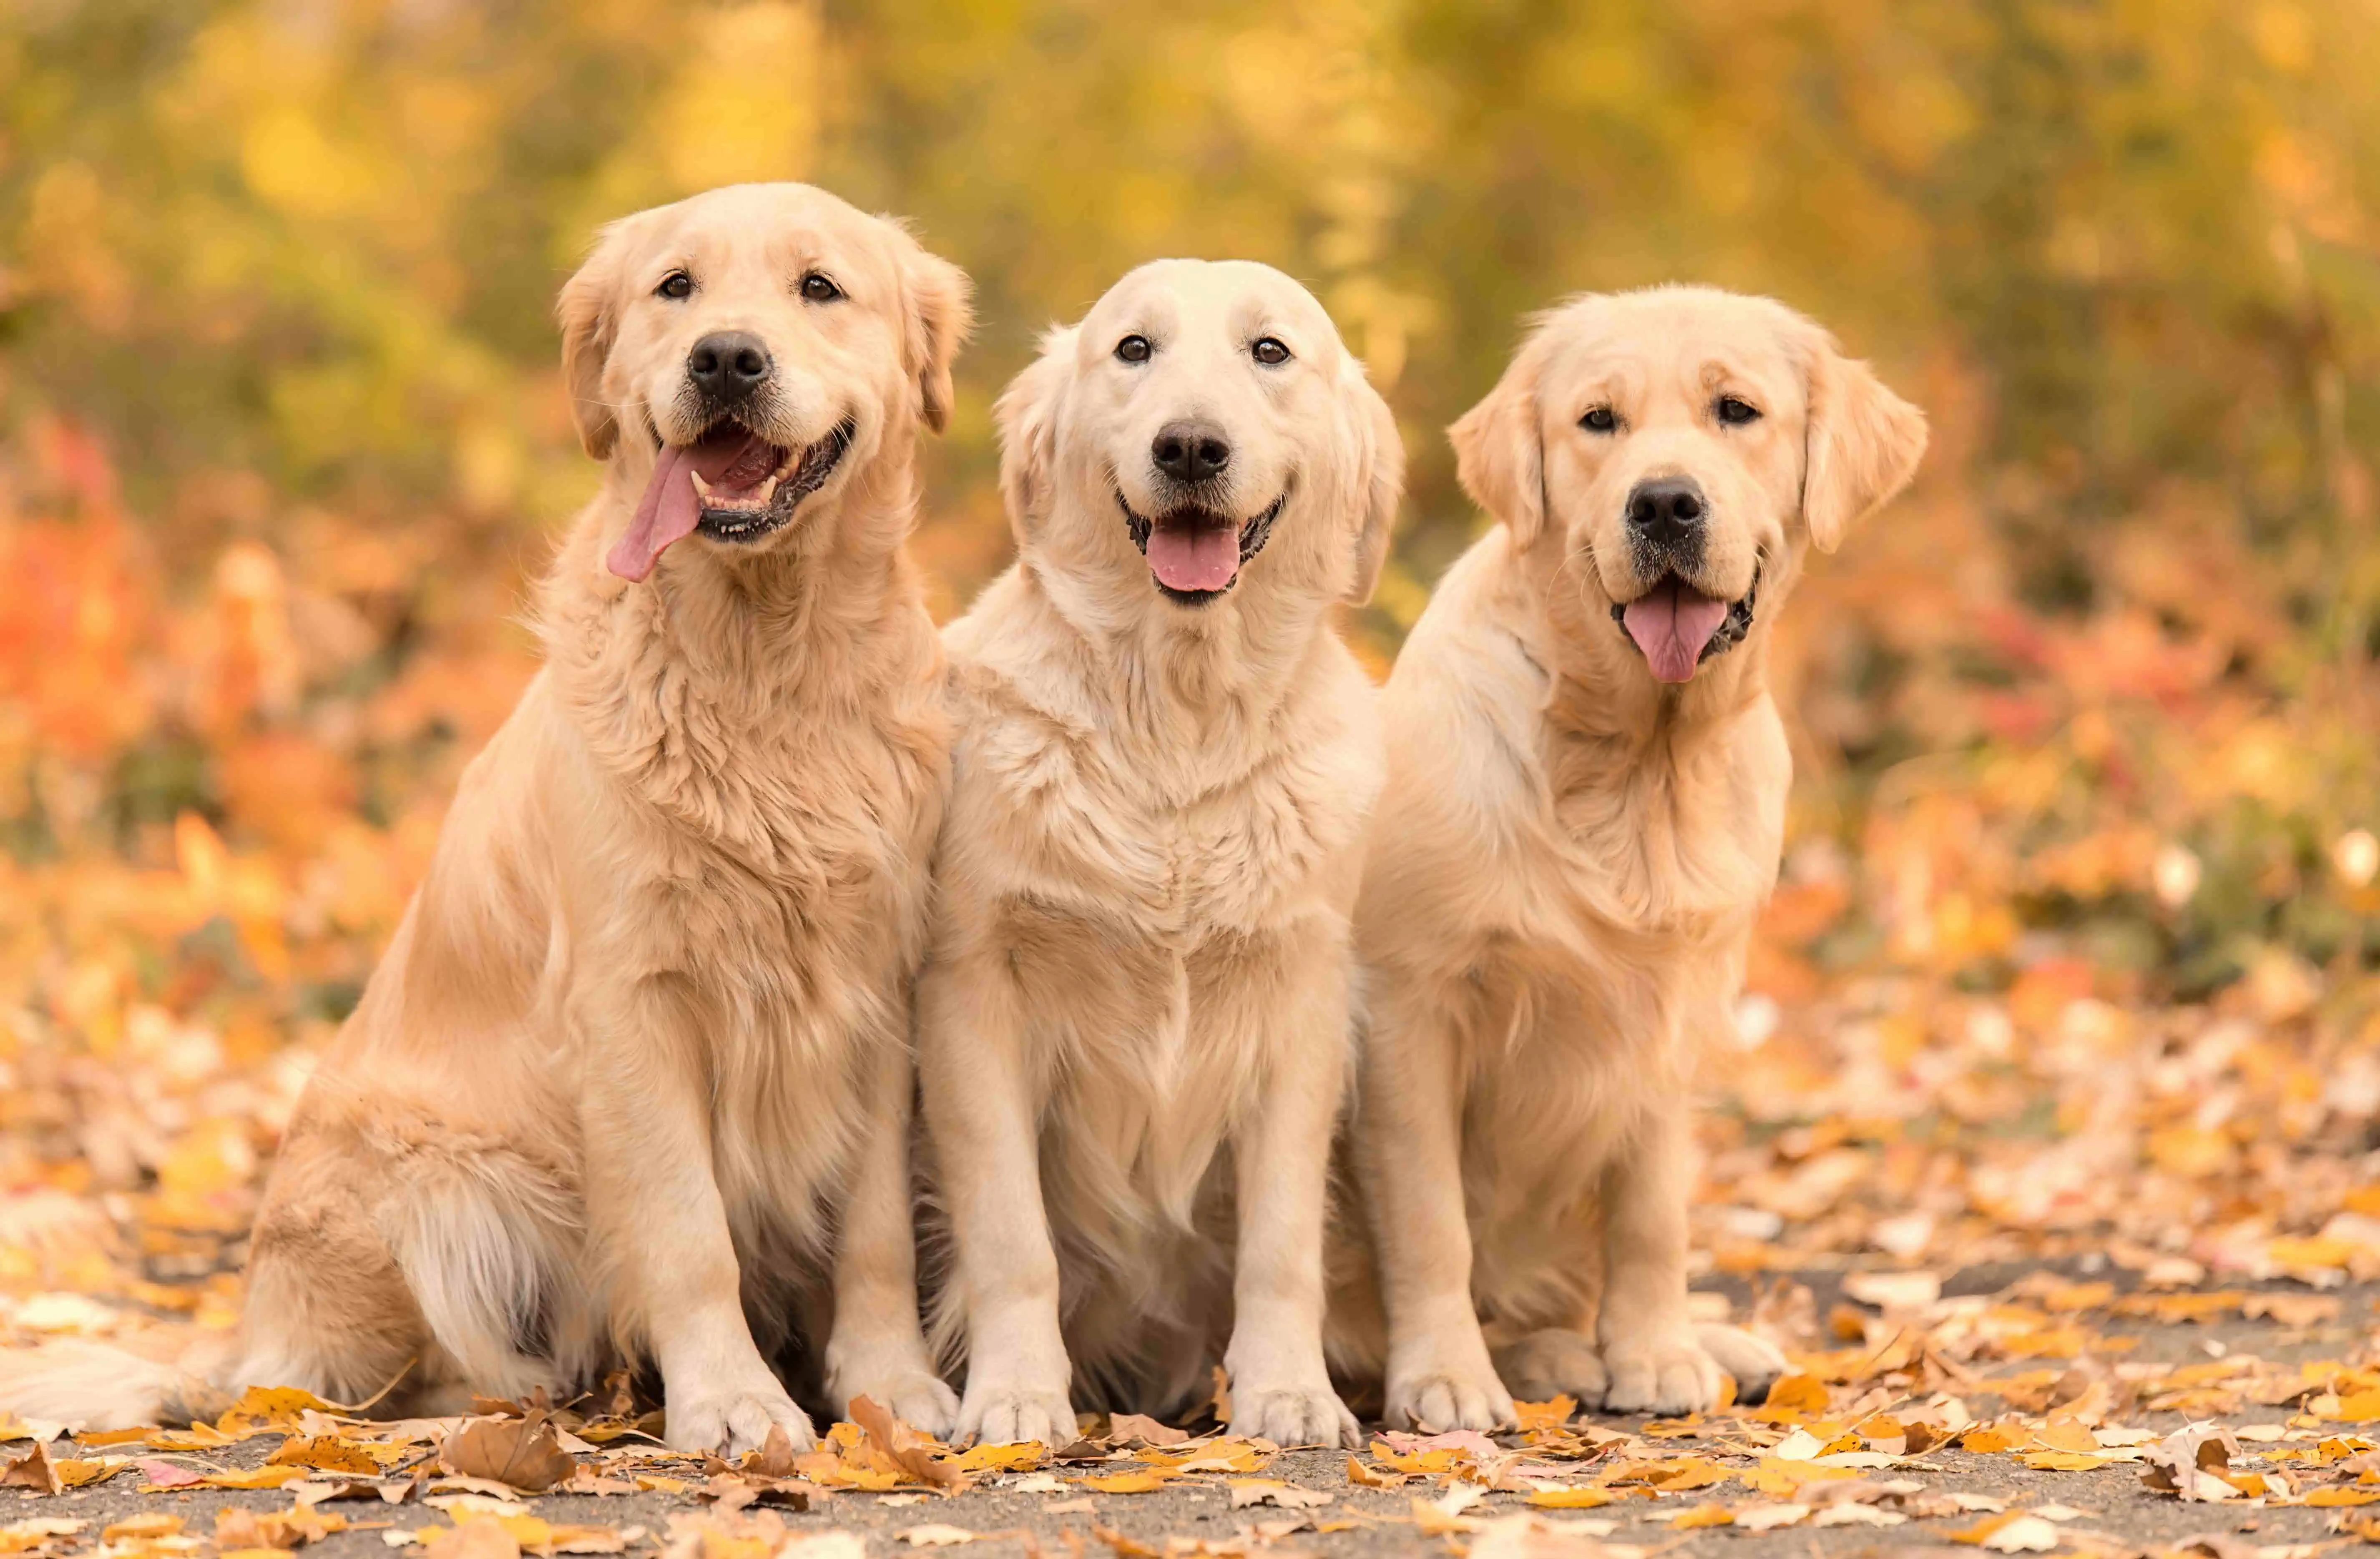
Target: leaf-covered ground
2056, 1412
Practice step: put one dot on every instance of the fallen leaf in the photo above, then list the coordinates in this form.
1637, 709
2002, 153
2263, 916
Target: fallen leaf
2013, 1533
1145, 1482
933, 1535
268, 1410
288, 1528
25, 1537
332, 1454
520, 1453
909, 1450
1129, 1429
1571, 1499
1245, 1492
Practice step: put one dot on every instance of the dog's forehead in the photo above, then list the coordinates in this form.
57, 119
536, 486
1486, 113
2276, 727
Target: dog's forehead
1233, 294
769, 224
1689, 339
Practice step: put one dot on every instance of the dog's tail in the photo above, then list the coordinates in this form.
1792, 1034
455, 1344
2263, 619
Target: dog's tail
85, 1384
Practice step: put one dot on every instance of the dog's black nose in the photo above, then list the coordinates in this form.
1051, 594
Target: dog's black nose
1191, 451
1666, 512
727, 366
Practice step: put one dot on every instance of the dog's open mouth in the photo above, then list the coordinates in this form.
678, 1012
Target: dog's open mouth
1196, 553
731, 484
1677, 627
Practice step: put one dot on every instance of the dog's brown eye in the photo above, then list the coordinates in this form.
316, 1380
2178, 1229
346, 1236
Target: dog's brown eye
818, 289
1735, 411
1269, 352
677, 284
1599, 420
1133, 349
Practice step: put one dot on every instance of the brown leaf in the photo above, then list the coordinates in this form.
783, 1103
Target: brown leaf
2190, 1463
1132, 1429
34, 1470
520, 1453
912, 1452
471, 1540
275, 1529
775, 1456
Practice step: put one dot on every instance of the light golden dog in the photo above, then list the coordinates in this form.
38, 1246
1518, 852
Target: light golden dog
1133, 1037
634, 1077
1582, 816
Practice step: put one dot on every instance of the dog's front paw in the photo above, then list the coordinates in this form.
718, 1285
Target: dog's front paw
1554, 1362
917, 1398
1294, 1415
1754, 1362
1440, 1397
1004, 1414
1664, 1372
735, 1420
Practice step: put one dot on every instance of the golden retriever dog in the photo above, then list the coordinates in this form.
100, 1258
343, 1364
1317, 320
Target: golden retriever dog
634, 1081
1133, 1037
1582, 816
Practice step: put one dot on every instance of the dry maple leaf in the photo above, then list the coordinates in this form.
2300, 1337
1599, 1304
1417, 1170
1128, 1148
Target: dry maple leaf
518, 1453
35, 1470
273, 1529
2191, 1463
910, 1450
1128, 1430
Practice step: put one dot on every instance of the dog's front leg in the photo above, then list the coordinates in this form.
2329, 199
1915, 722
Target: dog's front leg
1280, 1386
982, 1108
1650, 1352
878, 1350
654, 1208
1409, 1143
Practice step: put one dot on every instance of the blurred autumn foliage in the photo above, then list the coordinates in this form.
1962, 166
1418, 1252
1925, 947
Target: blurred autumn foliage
2086, 725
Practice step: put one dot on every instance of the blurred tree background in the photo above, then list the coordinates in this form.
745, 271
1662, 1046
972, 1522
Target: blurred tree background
2091, 714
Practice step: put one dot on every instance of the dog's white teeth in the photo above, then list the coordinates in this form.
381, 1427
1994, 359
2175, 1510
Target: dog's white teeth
701, 488
768, 491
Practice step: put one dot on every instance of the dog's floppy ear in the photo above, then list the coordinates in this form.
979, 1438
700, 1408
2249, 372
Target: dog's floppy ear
1499, 452
939, 319
585, 310
1863, 445
1382, 474
1028, 418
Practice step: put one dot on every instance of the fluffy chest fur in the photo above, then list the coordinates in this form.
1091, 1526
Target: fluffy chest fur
1142, 858
758, 807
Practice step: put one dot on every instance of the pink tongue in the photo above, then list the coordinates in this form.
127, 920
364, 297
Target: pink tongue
667, 513
1671, 624
1194, 557
733, 461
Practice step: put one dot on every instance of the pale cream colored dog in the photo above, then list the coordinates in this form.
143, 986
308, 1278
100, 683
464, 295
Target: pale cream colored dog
1133, 1037
633, 1080
1585, 806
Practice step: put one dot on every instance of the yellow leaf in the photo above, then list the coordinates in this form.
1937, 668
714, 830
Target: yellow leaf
1704, 1515
255, 1477
269, 1410
1022, 1456
2342, 1496
1570, 1499
1129, 1482
331, 1453
1545, 1415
